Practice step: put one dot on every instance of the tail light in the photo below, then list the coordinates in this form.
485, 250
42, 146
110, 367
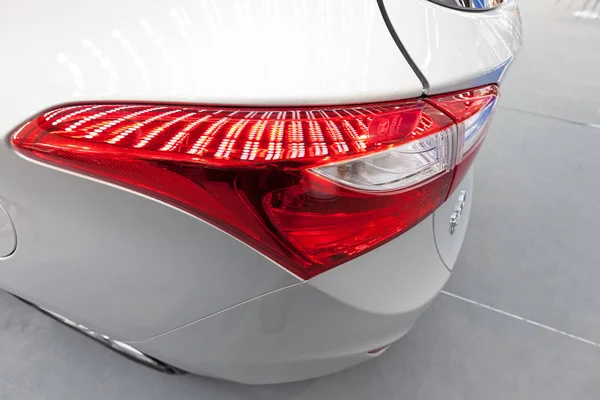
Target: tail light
472, 111
310, 188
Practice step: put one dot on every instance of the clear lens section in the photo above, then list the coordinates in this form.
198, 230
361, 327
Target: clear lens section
475, 127
397, 168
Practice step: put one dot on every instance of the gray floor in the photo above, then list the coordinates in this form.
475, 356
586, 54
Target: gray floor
521, 315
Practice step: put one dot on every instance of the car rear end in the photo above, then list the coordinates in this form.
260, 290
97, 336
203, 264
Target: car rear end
256, 192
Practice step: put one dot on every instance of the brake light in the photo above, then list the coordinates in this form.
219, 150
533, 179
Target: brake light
310, 188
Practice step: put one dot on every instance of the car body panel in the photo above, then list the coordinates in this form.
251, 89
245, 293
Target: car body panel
228, 52
457, 49
398, 277
138, 267
449, 243
292, 334
8, 236
172, 285
117, 261
303, 332
320, 326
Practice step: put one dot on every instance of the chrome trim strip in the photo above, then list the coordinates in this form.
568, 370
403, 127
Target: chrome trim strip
470, 5
120, 347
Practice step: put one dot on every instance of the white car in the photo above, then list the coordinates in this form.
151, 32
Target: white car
258, 191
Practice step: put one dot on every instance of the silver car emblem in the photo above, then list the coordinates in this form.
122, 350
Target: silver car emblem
458, 209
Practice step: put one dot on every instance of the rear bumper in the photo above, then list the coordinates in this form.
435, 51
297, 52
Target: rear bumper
319, 326
292, 334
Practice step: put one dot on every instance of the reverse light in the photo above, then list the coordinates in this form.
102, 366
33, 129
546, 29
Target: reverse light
403, 166
310, 188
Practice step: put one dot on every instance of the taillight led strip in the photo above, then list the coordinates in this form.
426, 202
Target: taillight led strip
311, 188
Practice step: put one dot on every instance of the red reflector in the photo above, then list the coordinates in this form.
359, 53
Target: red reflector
465, 104
310, 188
378, 350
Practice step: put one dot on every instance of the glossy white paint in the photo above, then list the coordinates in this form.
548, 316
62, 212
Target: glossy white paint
225, 52
457, 49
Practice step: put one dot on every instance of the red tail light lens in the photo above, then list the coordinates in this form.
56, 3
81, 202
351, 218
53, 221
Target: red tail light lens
311, 188
472, 111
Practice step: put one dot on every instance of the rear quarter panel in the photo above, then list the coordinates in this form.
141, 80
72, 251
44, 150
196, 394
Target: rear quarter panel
457, 49
114, 260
